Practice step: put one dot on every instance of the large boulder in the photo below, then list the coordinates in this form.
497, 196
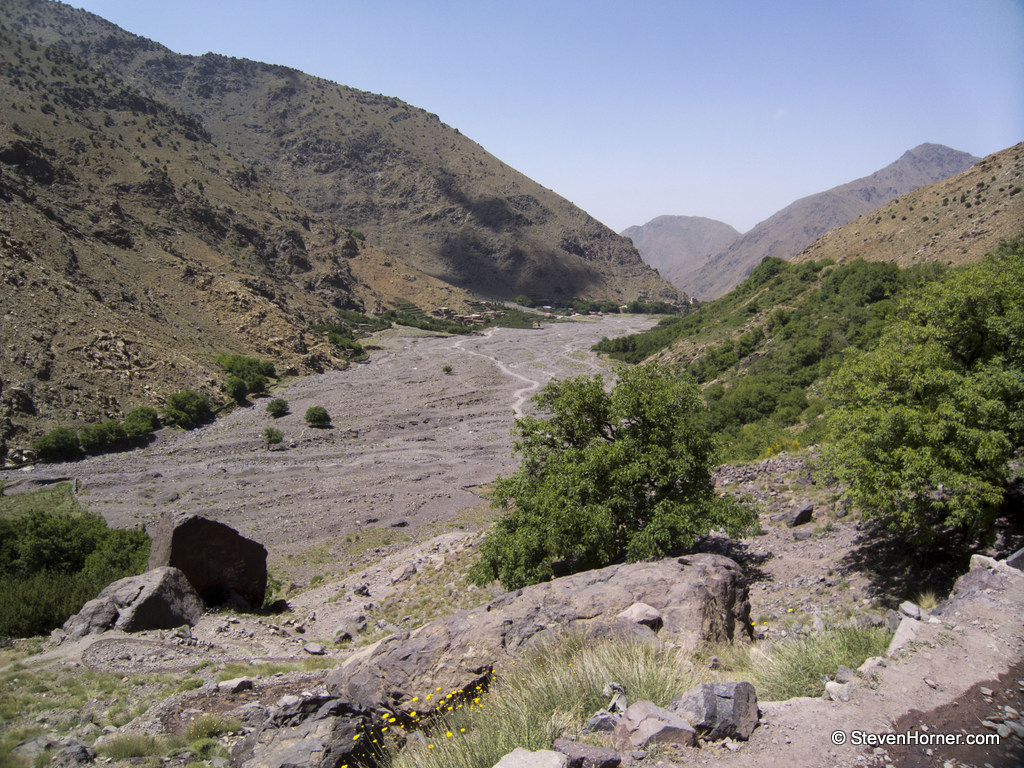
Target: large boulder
700, 598
158, 599
224, 567
645, 724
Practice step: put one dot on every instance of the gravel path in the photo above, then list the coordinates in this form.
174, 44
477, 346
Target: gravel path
410, 445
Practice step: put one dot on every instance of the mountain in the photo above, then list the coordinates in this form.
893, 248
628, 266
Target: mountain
678, 245
954, 221
788, 232
133, 250
412, 185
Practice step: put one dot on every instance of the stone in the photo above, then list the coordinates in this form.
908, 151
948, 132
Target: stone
223, 566
1016, 560
803, 534
314, 649
905, 633
910, 609
719, 710
158, 599
799, 515
235, 685
586, 755
403, 572
601, 721
74, 754
844, 674
314, 732
837, 691
524, 758
701, 598
645, 724
641, 613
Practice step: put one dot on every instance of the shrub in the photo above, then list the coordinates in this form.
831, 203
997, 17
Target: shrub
103, 436
141, 421
59, 444
237, 389
624, 475
446, 368
317, 416
272, 436
126, 746
277, 407
187, 409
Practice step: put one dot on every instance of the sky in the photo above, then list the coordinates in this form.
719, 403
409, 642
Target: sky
725, 109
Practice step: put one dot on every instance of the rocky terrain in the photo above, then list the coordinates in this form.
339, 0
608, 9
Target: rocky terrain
377, 520
788, 232
430, 197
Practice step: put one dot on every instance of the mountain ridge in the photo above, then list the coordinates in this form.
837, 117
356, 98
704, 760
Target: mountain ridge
678, 245
415, 187
789, 231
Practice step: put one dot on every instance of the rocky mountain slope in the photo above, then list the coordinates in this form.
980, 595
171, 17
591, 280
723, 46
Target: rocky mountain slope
954, 221
133, 250
788, 232
417, 188
677, 246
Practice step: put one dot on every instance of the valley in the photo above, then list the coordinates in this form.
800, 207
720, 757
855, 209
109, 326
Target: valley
410, 446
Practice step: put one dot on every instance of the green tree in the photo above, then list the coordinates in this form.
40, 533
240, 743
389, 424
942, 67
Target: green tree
272, 436
59, 444
141, 421
187, 409
609, 476
924, 426
317, 416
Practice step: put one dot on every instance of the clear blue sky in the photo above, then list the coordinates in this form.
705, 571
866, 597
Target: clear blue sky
716, 108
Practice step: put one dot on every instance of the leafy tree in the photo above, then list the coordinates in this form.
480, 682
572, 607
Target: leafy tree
141, 421
103, 436
317, 416
59, 444
237, 389
609, 476
277, 407
187, 409
923, 426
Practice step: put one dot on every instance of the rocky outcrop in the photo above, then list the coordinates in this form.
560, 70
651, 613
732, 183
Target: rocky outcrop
313, 731
158, 599
700, 598
223, 566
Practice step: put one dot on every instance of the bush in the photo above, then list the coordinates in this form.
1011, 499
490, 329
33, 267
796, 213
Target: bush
616, 476
141, 421
277, 407
59, 444
237, 389
101, 437
272, 436
317, 416
187, 409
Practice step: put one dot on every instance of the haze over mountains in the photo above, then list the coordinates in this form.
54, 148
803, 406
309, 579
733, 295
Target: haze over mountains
712, 273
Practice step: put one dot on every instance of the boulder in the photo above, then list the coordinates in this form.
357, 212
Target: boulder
1016, 560
222, 565
645, 724
799, 515
719, 710
701, 598
524, 758
158, 599
586, 755
314, 731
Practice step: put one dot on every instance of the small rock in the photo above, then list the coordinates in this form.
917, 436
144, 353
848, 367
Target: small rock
985, 691
837, 691
601, 721
524, 758
844, 674
642, 613
587, 756
931, 684
910, 609
314, 649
